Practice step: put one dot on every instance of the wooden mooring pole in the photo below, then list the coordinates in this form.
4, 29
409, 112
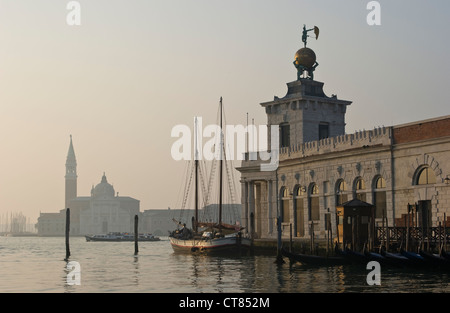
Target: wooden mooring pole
279, 260
290, 237
445, 233
136, 235
440, 235
407, 229
67, 234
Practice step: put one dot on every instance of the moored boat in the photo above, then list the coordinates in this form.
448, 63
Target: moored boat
445, 255
435, 259
315, 259
415, 258
114, 237
355, 257
208, 244
209, 238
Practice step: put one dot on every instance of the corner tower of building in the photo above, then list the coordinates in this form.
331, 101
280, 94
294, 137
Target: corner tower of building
306, 114
71, 175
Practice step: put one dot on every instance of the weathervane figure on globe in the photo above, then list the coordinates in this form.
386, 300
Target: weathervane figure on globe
305, 58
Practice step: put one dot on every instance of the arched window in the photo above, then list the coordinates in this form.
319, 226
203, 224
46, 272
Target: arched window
341, 189
314, 208
425, 176
379, 197
360, 189
285, 205
299, 227
380, 183
300, 191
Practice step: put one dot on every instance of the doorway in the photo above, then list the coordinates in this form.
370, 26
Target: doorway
424, 213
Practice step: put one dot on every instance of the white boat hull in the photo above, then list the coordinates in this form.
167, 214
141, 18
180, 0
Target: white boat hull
225, 245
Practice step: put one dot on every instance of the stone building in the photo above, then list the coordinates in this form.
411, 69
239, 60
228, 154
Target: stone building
320, 167
102, 212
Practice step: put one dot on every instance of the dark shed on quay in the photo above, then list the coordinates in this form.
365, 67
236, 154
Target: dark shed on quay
355, 223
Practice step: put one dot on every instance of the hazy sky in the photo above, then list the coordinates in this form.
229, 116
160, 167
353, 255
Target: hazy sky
134, 69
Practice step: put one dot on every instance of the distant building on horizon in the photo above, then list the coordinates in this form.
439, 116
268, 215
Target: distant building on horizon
102, 212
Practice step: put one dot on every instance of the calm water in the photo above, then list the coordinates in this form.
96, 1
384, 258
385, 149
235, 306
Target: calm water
36, 264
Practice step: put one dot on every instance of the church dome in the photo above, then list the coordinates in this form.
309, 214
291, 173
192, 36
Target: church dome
104, 189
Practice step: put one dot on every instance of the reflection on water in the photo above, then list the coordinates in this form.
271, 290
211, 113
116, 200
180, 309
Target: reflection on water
37, 265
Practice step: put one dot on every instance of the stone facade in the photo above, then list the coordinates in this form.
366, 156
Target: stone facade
317, 171
107, 212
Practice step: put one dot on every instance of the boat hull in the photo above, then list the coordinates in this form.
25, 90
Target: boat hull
93, 238
315, 260
223, 245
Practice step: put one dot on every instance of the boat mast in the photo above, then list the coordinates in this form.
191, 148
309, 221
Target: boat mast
221, 168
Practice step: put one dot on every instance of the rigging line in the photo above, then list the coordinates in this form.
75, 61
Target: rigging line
187, 190
202, 170
232, 192
211, 180
204, 182
229, 181
185, 171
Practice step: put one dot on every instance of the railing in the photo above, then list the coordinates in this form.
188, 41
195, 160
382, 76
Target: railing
408, 237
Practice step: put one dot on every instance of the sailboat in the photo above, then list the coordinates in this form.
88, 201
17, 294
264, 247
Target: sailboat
210, 237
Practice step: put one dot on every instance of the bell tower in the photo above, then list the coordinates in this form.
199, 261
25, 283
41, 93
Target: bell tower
71, 175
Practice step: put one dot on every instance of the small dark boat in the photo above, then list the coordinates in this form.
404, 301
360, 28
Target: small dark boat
356, 257
373, 256
366, 257
435, 259
445, 255
315, 259
415, 258
397, 259
380, 258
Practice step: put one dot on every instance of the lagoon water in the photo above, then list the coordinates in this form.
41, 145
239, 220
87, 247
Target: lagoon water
36, 265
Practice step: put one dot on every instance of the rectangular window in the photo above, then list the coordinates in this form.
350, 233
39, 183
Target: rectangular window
341, 199
300, 229
424, 213
315, 213
286, 218
284, 135
380, 203
361, 196
324, 130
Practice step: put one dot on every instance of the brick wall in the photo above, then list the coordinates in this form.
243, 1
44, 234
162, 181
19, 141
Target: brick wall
422, 130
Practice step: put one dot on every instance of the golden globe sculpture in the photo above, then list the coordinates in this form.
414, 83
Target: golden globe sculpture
305, 57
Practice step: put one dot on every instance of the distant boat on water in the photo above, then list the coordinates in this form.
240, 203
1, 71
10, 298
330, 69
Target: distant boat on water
114, 237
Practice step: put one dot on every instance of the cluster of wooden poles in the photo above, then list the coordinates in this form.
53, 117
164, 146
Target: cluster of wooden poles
136, 222
413, 236
312, 245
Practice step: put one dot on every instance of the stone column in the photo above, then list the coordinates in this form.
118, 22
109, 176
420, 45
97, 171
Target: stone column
258, 210
270, 206
251, 206
244, 201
